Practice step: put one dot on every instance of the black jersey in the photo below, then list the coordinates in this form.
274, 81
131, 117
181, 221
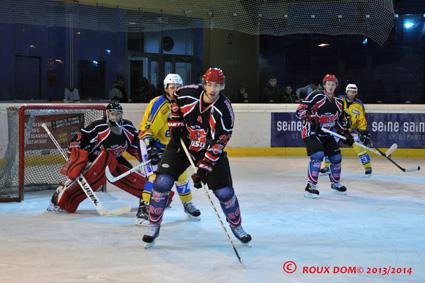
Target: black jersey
98, 135
208, 126
329, 112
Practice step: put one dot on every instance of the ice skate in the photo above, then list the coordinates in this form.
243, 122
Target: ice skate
151, 234
311, 191
53, 205
368, 172
242, 236
191, 210
337, 187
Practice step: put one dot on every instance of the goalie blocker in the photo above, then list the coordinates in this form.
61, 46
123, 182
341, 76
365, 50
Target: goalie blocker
69, 196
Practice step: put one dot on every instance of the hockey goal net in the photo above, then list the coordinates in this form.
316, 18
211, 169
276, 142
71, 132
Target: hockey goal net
28, 159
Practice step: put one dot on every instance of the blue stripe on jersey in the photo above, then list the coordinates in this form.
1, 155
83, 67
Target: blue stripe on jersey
156, 106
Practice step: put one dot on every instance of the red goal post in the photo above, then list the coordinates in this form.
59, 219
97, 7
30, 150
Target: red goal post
29, 161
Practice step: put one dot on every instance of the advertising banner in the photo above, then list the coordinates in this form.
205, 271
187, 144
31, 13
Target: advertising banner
62, 126
405, 129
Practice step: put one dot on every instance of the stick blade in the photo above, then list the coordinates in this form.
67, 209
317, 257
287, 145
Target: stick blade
117, 211
392, 148
109, 175
414, 169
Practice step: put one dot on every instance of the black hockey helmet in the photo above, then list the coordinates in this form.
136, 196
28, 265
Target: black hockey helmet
114, 107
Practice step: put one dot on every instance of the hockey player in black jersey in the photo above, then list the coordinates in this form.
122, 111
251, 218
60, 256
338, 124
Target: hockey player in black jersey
100, 144
321, 109
203, 117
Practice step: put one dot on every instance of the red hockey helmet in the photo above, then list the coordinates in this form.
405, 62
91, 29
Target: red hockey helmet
214, 75
330, 78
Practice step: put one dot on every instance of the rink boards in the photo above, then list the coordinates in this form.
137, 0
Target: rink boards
273, 130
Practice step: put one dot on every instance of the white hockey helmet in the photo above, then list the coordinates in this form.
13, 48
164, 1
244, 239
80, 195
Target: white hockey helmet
352, 87
173, 79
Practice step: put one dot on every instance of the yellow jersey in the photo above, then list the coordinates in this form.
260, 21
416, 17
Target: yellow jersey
154, 121
356, 112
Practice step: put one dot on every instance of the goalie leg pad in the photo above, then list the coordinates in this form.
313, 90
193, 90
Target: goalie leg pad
95, 176
132, 184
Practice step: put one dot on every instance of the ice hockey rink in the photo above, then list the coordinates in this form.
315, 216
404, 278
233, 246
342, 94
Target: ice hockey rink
380, 223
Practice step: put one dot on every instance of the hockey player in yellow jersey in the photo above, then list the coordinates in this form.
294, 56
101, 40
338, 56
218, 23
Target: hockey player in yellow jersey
356, 111
155, 134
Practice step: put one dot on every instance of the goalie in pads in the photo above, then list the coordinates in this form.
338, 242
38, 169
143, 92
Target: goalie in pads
100, 144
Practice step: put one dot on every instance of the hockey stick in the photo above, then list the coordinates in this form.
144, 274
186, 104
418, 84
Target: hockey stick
111, 178
145, 163
390, 150
212, 203
85, 186
413, 169
376, 151
357, 143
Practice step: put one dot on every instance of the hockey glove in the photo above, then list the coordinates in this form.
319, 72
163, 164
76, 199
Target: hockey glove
349, 140
365, 138
153, 152
204, 167
175, 121
314, 123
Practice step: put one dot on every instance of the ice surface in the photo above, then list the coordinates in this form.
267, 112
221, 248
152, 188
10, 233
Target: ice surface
380, 223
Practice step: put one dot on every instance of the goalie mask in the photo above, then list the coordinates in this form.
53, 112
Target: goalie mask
114, 117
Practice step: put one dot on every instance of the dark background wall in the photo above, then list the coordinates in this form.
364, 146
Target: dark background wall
391, 73
39, 60
237, 54
36, 61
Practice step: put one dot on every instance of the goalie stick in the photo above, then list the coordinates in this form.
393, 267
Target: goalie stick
212, 204
111, 178
378, 152
146, 164
85, 186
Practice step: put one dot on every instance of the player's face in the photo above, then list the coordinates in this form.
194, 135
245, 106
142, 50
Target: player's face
212, 90
114, 116
329, 86
351, 94
171, 90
